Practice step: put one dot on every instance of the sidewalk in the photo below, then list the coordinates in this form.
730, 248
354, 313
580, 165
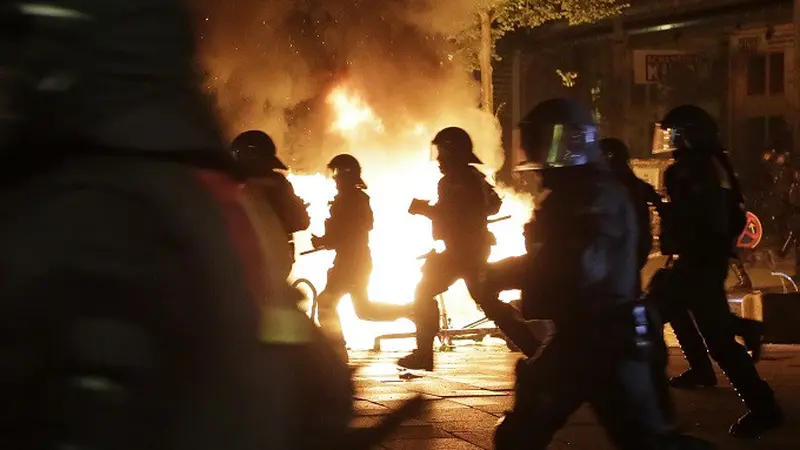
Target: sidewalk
473, 386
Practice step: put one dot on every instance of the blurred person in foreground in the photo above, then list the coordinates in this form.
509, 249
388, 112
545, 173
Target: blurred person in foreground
258, 162
141, 304
580, 271
347, 233
460, 219
700, 225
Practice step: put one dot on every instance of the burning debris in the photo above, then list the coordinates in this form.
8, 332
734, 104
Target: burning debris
272, 66
373, 79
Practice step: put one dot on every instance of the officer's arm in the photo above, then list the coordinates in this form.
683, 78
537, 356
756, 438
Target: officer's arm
287, 205
334, 224
347, 218
297, 214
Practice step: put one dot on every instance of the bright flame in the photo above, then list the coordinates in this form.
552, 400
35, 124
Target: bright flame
398, 238
351, 112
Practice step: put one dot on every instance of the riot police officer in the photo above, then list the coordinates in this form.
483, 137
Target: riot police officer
581, 272
701, 225
460, 219
257, 158
347, 232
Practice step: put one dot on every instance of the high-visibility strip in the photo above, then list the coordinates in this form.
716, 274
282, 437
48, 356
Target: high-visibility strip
285, 326
55, 11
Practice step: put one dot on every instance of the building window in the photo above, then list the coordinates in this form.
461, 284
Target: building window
767, 133
765, 74
779, 133
776, 73
756, 74
755, 130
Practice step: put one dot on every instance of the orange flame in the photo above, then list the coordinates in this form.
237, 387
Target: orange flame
397, 238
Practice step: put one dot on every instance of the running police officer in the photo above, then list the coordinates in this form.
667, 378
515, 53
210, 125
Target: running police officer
580, 272
704, 217
257, 158
347, 232
460, 219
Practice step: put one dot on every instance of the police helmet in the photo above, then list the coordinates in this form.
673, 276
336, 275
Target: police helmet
616, 152
346, 168
685, 127
558, 133
453, 144
256, 152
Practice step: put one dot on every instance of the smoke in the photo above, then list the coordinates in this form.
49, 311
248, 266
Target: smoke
273, 63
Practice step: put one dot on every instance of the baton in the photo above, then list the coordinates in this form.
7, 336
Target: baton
308, 252
498, 219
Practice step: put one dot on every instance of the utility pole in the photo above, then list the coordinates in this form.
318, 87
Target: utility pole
622, 82
795, 104
516, 105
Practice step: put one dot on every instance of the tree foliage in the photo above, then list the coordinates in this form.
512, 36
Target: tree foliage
510, 15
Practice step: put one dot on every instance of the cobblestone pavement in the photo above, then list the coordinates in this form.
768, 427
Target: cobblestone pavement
472, 387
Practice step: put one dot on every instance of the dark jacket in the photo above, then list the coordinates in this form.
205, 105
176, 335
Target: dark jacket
460, 216
290, 208
347, 230
581, 261
643, 196
704, 216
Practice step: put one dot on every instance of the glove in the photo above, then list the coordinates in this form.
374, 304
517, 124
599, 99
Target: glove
419, 207
317, 242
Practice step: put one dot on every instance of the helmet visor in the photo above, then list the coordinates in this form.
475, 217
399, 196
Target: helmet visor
555, 145
347, 176
664, 139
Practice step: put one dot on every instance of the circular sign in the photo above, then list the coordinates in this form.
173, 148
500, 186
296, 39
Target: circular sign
751, 236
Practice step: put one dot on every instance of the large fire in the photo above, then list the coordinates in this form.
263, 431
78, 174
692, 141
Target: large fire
398, 238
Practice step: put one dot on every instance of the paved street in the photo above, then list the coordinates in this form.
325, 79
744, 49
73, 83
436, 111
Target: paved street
472, 387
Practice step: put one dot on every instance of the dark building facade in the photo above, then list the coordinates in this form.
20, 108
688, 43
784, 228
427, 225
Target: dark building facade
732, 57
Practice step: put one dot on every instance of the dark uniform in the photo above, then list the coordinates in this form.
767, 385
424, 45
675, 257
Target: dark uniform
460, 220
140, 306
643, 196
581, 273
704, 218
256, 155
641, 192
347, 232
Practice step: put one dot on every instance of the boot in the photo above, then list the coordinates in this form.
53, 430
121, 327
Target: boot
752, 335
417, 360
693, 380
755, 423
